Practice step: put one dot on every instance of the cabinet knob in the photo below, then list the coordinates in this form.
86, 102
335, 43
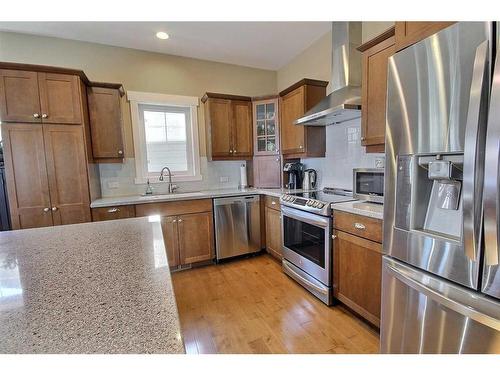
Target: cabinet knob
334, 236
120, 152
301, 146
230, 151
278, 160
46, 209
54, 208
359, 226
180, 220
363, 138
273, 203
44, 115
36, 115
234, 151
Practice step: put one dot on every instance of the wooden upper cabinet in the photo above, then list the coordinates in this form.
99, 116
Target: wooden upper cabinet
408, 33
375, 58
196, 242
242, 129
67, 173
19, 96
26, 176
106, 124
299, 140
218, 116
228, 126
60, 98
266, 127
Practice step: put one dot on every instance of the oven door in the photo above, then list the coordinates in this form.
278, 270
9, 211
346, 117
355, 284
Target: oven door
307, 242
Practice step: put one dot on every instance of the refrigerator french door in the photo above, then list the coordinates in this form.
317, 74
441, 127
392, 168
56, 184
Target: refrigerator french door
436, 148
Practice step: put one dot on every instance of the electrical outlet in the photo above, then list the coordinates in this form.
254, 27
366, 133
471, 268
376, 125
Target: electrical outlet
379, 162
113, 184
223, 179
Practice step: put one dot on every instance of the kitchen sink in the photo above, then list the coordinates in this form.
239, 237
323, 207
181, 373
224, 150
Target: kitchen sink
176, 195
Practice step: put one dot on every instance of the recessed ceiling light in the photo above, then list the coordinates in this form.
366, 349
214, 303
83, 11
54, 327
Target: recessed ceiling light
161, 35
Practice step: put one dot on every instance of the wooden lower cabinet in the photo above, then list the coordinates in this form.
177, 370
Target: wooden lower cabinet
67, 173
357, 275
113, 213
171, 239
188, 230
273, 232
196, 242
46, 173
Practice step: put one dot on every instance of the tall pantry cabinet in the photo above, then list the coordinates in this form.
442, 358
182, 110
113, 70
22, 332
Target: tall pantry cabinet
43, 115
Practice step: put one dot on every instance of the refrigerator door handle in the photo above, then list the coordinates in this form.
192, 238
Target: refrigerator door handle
491, 172
419, 281
474, 137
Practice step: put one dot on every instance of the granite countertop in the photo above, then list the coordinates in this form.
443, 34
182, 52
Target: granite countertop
99, 287
373, 210
137, 199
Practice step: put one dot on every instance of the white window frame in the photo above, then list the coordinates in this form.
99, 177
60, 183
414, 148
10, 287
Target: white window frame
141, 168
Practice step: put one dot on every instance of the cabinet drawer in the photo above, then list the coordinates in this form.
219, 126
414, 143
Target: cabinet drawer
358, 225
174, 208
272, 202
111, 213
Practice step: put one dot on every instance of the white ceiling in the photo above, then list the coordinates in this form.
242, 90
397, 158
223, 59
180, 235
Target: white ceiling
266, 45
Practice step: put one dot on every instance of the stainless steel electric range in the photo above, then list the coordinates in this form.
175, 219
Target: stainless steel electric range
306, 227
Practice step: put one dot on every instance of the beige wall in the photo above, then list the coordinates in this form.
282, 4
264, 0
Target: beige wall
372, 29
315, 61
139, 71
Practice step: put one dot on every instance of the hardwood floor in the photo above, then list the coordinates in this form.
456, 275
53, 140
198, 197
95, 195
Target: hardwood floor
251, 306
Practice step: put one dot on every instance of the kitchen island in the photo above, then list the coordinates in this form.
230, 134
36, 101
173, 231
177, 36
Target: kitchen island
100, 287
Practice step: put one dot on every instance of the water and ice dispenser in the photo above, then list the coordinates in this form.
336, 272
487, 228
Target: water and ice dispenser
429, 194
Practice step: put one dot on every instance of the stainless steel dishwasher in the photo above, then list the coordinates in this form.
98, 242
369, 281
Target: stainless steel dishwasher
237, 226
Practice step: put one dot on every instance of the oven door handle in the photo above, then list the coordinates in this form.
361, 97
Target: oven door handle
302, 280
306, 217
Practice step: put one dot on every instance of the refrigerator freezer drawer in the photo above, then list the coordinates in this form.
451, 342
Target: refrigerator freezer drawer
422, 313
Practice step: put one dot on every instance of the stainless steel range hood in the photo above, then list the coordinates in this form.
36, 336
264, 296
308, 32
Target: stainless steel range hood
344, 102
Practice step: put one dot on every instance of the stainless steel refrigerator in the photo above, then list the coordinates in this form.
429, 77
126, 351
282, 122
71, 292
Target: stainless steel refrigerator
441, 275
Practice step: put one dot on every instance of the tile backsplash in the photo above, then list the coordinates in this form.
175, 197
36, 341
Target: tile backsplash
118, 179
343, 153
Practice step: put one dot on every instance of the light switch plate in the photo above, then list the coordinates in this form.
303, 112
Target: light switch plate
380, 162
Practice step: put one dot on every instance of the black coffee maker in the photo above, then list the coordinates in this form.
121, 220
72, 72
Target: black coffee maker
295, 172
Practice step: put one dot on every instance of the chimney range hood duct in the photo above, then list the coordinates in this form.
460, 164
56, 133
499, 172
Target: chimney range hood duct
344, 102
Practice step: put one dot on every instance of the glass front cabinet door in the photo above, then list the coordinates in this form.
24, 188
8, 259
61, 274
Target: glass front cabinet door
266, 132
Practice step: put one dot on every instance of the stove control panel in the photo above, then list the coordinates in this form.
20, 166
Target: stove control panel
306, 204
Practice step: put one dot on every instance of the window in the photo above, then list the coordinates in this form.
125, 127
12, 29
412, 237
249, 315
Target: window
165, 135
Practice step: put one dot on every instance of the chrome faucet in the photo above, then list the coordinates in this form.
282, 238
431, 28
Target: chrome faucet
171, 187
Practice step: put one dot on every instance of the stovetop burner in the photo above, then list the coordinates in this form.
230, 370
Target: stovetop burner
318, 201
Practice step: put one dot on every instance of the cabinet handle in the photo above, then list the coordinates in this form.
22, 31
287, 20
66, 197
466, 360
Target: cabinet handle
278, 160
273, 203
180, 220
174, 221
234, 151
113, 210
54, 208
301, 146
120, 152
230, 151
44, 115
46, 209
36, 115
359, 226
334, 236
363, 138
